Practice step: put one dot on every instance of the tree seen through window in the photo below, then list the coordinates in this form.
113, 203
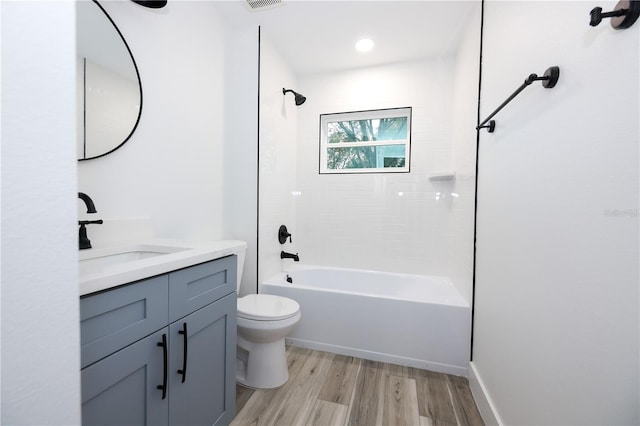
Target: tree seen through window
365, 157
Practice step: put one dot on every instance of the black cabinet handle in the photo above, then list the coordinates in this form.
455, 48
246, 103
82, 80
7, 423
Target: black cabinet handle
184, 361
163, 386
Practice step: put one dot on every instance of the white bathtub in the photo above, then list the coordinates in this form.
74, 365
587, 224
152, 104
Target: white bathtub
413, 320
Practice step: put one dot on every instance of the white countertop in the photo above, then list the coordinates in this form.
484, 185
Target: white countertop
187, 254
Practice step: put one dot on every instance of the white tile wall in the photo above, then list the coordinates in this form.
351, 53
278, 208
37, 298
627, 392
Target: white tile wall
391, 222
400, 222
465, 111
278, 147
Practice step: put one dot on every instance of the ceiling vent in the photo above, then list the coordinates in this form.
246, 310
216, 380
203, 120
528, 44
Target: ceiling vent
263, 4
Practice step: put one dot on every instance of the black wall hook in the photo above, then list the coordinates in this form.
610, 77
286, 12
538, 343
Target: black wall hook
624, 15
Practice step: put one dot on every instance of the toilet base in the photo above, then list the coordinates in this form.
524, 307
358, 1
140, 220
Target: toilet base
261, 365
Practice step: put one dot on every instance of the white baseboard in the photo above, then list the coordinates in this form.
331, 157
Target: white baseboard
483, 400
379, 356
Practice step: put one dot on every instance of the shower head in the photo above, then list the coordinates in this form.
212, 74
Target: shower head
299, 98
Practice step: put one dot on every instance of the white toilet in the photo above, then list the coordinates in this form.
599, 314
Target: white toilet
263, 322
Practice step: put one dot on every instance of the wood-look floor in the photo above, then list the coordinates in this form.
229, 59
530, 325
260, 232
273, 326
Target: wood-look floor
328, 389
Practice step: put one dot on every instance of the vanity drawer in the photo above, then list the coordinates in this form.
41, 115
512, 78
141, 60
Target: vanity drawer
192, 288
116, 318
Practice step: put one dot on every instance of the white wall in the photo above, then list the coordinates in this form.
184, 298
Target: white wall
278, 149
241, 147
392, 222
40, 319
557, 317
172, 168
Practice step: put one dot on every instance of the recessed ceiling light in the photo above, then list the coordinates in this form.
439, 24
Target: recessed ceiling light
364, 45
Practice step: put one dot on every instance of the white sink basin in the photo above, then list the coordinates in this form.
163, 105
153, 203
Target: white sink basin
100, 260
106, 267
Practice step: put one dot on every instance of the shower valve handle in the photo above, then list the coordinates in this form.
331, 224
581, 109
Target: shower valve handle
283, 234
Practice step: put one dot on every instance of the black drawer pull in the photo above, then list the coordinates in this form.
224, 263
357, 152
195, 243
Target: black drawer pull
163, 386
184, 361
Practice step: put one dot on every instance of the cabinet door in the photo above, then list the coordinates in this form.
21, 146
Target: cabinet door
116, 318
195, 287
204, 394
122, 389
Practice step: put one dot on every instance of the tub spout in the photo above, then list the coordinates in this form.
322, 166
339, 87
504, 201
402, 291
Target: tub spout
285, 255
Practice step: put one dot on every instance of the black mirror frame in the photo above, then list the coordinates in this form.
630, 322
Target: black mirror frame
135, 66
153, 4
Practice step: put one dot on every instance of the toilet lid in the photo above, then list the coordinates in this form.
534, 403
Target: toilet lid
266, 307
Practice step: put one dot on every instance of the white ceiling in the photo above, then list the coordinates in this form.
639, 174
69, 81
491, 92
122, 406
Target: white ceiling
319, 36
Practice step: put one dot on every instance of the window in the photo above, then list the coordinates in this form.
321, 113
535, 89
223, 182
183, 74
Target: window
376, 141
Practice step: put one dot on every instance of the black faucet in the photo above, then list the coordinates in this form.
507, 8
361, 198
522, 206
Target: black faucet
83, 240
91, 208
285, 255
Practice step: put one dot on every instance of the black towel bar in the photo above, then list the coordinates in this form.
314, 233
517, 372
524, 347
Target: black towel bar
549, 80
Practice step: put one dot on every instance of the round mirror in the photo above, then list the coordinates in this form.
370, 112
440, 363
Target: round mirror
109, 88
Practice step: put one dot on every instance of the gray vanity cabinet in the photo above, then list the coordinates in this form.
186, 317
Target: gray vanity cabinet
207, 394
130, 377
122, 388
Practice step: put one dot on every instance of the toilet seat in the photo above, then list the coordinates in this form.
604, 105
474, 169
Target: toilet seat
267, 307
